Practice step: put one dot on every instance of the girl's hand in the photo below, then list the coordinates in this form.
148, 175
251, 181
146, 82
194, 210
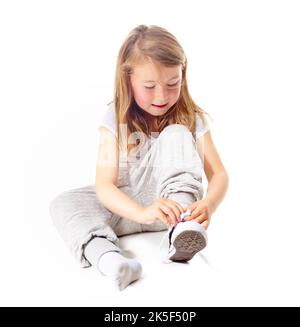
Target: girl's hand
166, 210
200, 212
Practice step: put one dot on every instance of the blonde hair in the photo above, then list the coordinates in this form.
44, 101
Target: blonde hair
156, 44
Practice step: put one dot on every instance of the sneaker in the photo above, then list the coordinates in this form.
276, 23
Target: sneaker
185, 240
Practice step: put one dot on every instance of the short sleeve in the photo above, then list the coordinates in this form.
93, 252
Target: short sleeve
202, 125
107, 119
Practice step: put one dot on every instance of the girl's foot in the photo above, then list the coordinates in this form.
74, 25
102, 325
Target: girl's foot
185, 240
123, 270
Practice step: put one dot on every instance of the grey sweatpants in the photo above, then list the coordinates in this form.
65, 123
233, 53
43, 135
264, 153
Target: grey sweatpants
169, 167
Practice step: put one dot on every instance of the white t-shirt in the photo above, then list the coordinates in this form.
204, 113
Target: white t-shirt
107, 120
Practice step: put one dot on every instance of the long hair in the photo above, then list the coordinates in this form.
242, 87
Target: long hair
156, 44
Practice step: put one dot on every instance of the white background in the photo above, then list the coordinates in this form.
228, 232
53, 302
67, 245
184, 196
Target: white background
57, 65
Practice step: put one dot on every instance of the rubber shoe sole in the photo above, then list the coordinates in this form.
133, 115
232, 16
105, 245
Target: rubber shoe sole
186, 240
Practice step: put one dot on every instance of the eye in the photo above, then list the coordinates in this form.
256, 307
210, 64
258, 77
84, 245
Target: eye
169, 85
173, 84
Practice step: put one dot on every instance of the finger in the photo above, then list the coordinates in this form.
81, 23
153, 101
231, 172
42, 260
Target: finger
168, 213
181, 209
196, 213
174, 207
191, 207
190, 215
200, 219
178, 206
205, 224
167, 210
193, 215
176, 211
163, 217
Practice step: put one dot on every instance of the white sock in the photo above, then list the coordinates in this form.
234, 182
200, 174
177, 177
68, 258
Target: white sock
123, 270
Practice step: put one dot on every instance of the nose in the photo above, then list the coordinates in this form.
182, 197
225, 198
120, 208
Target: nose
161, 95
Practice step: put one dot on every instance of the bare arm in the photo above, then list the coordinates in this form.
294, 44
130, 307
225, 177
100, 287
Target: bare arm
215, 172
118, 202
216, 190
107, 169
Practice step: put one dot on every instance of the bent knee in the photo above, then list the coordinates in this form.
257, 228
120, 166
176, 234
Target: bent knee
56, 202
176, 133
61, 202
175, 129
65, 198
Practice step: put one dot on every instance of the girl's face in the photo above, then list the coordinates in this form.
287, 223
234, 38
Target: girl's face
156, 85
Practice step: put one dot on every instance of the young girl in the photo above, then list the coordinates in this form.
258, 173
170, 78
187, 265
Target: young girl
149, 167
